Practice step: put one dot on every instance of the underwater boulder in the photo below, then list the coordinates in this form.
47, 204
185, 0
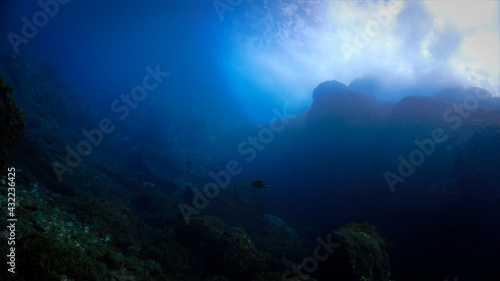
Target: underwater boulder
277, 238
361, 256
236, 256
174, 258
220, 252
201, 235
11, 125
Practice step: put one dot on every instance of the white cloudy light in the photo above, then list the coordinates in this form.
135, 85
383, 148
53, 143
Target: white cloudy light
302, 44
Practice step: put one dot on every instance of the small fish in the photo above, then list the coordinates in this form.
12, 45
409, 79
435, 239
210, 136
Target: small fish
259, 184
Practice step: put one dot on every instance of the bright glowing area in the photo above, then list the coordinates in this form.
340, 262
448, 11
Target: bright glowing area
285, 49
464, 14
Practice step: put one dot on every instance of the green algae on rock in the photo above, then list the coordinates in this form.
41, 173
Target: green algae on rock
362, 255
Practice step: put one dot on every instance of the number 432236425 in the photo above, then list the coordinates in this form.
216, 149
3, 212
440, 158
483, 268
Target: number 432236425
11, 191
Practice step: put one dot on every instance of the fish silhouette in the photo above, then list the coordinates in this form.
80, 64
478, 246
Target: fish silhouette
259, 184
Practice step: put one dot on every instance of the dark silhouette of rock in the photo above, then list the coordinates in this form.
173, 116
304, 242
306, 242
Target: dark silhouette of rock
333, 100
11, 125
279, 240
236, 256
417, 109
201, 235
459, 94
361, 255
368, 85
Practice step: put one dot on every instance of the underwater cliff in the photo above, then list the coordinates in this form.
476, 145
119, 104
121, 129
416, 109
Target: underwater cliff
111, 224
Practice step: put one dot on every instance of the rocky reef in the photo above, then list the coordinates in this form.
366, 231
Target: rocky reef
362, 255
116, 216
54, 242
11, 125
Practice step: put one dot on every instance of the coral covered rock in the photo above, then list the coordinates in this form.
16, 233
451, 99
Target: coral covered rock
361, 256
11, 125
65, 247
236, 257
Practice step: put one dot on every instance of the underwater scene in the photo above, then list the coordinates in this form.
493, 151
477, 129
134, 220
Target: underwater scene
249, 140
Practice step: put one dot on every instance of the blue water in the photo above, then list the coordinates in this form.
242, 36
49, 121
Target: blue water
184, 93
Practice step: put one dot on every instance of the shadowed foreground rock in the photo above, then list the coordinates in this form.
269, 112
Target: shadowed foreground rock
11, 125
362, 255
